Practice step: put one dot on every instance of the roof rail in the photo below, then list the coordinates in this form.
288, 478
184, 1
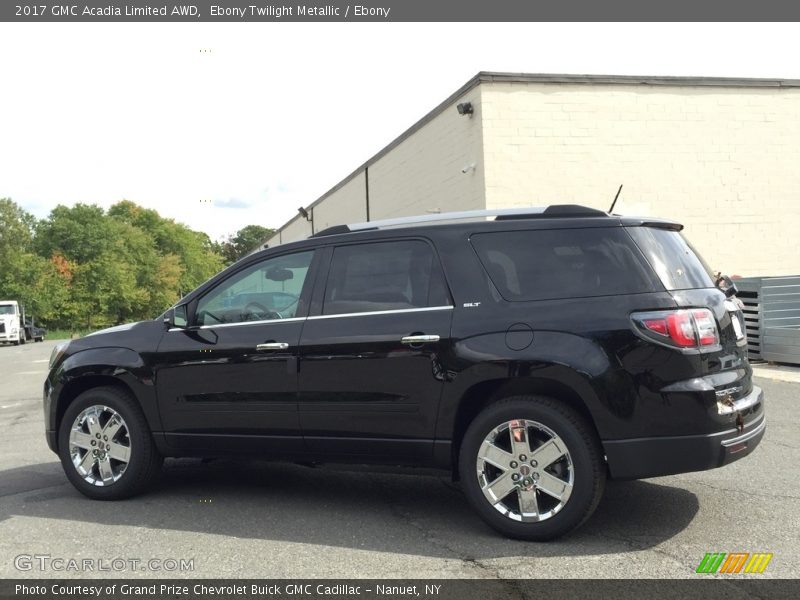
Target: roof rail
499, 214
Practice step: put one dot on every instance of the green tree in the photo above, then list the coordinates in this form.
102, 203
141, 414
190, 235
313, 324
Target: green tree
245, 241
16, 228
199, 258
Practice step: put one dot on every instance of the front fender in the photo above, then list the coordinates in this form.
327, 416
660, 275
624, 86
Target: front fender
95, 367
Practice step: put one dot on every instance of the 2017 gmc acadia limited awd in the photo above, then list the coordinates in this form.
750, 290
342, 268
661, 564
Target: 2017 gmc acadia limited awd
532, 352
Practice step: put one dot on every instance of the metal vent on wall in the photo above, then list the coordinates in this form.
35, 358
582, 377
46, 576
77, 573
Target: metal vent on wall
772, 316
749, 295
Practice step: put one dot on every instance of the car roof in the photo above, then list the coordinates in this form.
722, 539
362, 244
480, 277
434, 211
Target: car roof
558, 216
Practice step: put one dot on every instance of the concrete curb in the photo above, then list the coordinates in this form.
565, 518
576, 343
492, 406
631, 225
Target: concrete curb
777, 372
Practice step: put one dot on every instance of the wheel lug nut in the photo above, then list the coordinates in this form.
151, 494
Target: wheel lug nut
94, 443
105, 438
513, 464
534, 463
97, 435
535, 476
515, 477
523, 458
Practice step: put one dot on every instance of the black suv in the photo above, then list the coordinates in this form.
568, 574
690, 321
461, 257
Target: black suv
532, 352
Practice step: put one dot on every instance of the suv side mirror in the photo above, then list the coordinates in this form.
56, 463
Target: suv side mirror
176, 317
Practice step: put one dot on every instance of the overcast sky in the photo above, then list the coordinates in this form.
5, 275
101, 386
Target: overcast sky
267, 117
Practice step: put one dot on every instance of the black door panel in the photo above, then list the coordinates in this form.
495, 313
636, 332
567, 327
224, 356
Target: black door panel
218, 383
362, 390
229, 382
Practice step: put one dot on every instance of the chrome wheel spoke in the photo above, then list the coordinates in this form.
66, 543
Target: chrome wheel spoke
84, 465
112, 427
553, 486
93, 424
499, 488
528, 505
494, 455
106, 473
548, 453
519, 438
81, 440
119, 452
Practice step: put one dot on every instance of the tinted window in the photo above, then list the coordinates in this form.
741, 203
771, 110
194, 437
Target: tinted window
562, 263
269, 289
673, 259
384, 276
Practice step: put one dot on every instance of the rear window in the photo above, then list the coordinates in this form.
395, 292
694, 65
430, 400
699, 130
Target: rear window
563, 263
677, 264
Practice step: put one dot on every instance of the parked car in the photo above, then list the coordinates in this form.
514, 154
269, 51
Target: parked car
532, 353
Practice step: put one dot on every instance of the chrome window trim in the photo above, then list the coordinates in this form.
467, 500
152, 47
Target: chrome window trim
261, 322
382, 312
315, 317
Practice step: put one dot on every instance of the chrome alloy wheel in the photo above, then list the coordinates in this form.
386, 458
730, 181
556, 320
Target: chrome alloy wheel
99, 445
525, 471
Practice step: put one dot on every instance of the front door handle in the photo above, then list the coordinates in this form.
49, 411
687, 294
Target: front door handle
272, 346
419, 339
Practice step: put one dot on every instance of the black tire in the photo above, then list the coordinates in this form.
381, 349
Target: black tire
585, 454
144, 463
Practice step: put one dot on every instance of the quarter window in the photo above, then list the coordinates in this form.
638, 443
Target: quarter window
384, 276
270, 289
563, 263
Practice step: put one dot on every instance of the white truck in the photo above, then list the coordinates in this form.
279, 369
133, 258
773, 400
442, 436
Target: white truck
12, 322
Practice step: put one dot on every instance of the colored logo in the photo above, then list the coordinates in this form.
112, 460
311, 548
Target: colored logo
735, 562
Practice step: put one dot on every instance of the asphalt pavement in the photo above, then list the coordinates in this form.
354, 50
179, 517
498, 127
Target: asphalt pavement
258, 519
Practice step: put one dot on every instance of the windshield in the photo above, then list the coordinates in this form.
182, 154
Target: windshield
673, 259
6, 309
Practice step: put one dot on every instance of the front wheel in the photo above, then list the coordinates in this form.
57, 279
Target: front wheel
531, 467
105, 445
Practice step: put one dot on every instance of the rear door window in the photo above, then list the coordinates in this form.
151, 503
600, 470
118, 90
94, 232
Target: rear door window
677, 264
384, 276
563, 263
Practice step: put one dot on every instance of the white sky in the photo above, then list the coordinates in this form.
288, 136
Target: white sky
273, 115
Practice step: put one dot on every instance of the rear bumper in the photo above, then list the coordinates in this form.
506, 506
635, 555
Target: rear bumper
653, 457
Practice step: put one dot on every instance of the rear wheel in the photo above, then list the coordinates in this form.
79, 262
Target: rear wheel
105, 445
531, 467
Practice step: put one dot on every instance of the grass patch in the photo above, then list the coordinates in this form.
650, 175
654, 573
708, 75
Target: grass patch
65, 334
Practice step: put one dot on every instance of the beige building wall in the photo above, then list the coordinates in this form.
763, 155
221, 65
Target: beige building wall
437, 168
296, 229
724, 161
347, 204
424, 173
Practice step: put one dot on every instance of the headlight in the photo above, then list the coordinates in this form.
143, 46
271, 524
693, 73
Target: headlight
57, 352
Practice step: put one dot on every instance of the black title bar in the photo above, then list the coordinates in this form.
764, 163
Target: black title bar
708, 587
399, 11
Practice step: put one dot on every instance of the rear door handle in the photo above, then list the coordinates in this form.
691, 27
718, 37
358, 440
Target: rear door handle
272, 346
419, 339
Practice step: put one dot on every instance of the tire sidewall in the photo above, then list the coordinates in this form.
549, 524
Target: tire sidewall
585, 487
138, 434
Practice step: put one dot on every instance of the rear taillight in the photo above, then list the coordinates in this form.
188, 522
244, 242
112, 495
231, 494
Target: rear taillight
686, 328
